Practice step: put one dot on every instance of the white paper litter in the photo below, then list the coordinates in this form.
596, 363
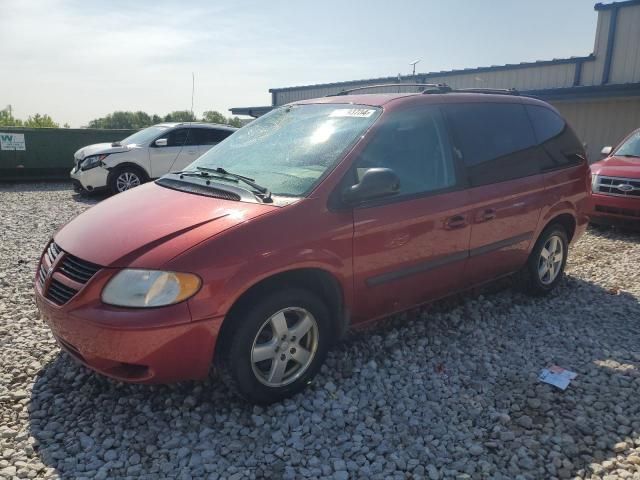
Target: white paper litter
557, 376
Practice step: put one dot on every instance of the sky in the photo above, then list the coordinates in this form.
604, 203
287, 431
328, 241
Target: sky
77, 60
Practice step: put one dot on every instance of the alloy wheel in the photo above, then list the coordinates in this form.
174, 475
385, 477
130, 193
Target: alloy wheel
127, 180
284, 347
550, 260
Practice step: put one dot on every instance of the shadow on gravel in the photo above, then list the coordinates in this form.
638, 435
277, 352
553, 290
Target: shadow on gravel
616, 232
27, 186
476, 407
90, 198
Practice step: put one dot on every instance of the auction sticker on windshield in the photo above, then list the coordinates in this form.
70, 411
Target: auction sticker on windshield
352, 112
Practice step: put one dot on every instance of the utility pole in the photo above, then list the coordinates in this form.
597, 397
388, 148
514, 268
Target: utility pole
414, 67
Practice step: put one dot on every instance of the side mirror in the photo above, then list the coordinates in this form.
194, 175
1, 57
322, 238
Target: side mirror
161, 142
375, 183
606, 151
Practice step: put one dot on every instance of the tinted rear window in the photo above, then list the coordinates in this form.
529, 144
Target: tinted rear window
560, 145
211, 136
546, 123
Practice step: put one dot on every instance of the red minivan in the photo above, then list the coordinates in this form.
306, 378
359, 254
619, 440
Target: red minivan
322, 215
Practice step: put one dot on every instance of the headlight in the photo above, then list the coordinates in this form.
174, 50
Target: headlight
92, 161
594, 183
149, 288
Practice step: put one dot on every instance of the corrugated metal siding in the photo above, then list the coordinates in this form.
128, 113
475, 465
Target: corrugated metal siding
625, 65
532, 78
601, 122
592, 71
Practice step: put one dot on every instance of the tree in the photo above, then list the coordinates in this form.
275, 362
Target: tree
180, 116
128, 120
137, 120
211, 116
8, 120
235, 122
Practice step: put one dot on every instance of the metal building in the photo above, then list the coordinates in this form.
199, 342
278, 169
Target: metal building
599, 93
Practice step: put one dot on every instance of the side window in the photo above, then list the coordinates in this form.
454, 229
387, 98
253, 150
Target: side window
178, 137
546, 123
212, 136
560, 144
414, 144
494, 140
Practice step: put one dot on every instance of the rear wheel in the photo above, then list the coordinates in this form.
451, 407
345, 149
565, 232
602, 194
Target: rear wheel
545, 266
125, 178
274, 348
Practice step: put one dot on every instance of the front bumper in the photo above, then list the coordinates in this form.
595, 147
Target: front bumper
89, 180
614, 210
159, 345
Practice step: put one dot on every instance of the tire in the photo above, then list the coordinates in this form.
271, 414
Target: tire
285, 368
125, 178
532, 279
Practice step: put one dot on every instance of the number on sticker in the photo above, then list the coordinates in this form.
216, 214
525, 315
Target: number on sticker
352, 112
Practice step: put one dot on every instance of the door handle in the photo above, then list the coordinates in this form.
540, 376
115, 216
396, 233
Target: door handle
457, 221
486, 215
192, 151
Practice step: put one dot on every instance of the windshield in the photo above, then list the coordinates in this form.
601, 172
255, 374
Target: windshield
144, 136
631, 146
289, 149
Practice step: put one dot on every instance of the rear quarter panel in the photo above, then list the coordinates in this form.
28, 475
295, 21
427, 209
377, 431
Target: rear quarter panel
566, 192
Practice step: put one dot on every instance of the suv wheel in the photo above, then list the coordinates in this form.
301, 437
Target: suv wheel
545, 266
276, 346
124, 179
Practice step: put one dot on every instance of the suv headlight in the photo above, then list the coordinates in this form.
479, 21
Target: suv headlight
149, 288
594, 183
92, 161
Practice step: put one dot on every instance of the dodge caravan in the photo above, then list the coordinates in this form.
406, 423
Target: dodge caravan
320, 216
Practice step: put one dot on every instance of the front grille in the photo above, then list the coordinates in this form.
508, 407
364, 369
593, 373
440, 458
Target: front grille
76, 270
627, 212
59, 293
619, 187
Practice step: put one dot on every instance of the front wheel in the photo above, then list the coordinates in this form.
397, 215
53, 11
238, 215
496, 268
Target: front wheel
124, 179
545, 266
274, 348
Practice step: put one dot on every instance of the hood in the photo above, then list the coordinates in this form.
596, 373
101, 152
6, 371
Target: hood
627, 167
100, 148
148, 225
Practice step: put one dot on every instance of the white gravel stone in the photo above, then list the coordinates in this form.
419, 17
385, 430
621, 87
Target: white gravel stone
448, 392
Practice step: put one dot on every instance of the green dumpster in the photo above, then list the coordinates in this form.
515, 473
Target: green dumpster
46, 153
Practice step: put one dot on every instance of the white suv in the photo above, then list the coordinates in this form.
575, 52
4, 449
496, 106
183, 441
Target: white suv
149, 153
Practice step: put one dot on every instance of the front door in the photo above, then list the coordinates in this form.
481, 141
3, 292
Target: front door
412, 247
179, 152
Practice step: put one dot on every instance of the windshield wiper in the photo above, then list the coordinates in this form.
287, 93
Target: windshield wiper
266, 193
627, 155
203, 172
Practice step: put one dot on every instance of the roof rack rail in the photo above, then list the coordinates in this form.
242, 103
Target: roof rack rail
436, 87
497, 91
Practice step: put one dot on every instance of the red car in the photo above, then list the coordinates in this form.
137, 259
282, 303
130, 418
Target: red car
615, 186
319, 216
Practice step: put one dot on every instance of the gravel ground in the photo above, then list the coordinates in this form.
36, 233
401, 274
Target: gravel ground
447, 393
